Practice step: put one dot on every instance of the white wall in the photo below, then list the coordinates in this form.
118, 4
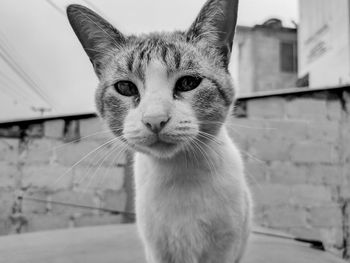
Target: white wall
324, 42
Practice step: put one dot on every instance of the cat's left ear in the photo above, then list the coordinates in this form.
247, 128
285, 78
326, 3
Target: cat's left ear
96, 35
215, 25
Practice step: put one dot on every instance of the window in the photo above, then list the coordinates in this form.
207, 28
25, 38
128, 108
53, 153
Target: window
288, 57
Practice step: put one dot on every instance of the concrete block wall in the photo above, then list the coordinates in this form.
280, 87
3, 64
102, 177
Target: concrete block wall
60, 160
296, 148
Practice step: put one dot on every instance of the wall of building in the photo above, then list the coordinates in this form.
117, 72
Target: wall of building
256, 59
297, 153
241, 62
324, 41
44, 160
267, 58
295, 145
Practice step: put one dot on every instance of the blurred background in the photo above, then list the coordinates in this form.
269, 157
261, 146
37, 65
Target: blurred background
291, 66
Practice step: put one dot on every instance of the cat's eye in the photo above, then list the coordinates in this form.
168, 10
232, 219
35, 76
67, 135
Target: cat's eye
126, 88
187, 83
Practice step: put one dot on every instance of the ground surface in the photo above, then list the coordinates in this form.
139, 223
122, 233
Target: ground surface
119, 243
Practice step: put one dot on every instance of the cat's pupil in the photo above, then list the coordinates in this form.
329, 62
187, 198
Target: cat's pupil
126, 88
187, 83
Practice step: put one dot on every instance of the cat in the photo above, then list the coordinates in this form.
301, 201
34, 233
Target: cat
167, 96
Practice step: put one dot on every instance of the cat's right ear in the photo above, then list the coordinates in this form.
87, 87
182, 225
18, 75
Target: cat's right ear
96, 35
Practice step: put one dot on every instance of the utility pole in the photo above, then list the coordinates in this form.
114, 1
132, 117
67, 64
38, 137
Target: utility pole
41, 110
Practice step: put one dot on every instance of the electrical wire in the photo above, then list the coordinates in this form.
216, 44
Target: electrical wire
17, 92
5, 53
15, 89
52, 4
113, 212
20, 72
9, 92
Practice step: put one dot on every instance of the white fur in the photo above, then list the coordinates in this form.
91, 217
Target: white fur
186, 208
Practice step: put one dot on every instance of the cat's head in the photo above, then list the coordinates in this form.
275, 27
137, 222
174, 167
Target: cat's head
162, 93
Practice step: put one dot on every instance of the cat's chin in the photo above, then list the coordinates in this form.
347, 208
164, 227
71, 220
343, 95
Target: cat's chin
159, 149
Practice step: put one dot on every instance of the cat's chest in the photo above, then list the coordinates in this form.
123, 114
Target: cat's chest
181, 189
186, 192
185, 212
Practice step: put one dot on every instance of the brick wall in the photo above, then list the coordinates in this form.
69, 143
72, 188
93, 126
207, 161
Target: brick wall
38, 159
297, 152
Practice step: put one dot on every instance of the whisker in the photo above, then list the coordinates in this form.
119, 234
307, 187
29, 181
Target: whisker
92, 165
125, 146
251, 127
79, 139
233, 130
195, 151
192, 152
211, 163
208, 146
285, 120
211, 149
189, 147
119, 153
253, 157
252, 178
209, 137
205, 156
82, 159
100, 165
232, 124
80, 180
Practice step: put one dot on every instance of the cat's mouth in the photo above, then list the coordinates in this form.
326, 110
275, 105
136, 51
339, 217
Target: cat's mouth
158, 148
162, 145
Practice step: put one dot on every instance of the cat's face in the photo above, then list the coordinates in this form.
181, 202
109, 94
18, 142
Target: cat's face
160, 93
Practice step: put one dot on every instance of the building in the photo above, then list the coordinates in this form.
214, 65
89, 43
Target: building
324, 42
264, 57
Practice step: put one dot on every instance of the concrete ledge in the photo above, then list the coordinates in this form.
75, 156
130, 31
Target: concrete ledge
292, 91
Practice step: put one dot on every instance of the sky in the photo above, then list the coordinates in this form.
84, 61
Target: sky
43, 65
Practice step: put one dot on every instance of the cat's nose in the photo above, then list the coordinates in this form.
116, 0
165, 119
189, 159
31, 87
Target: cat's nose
155, 123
